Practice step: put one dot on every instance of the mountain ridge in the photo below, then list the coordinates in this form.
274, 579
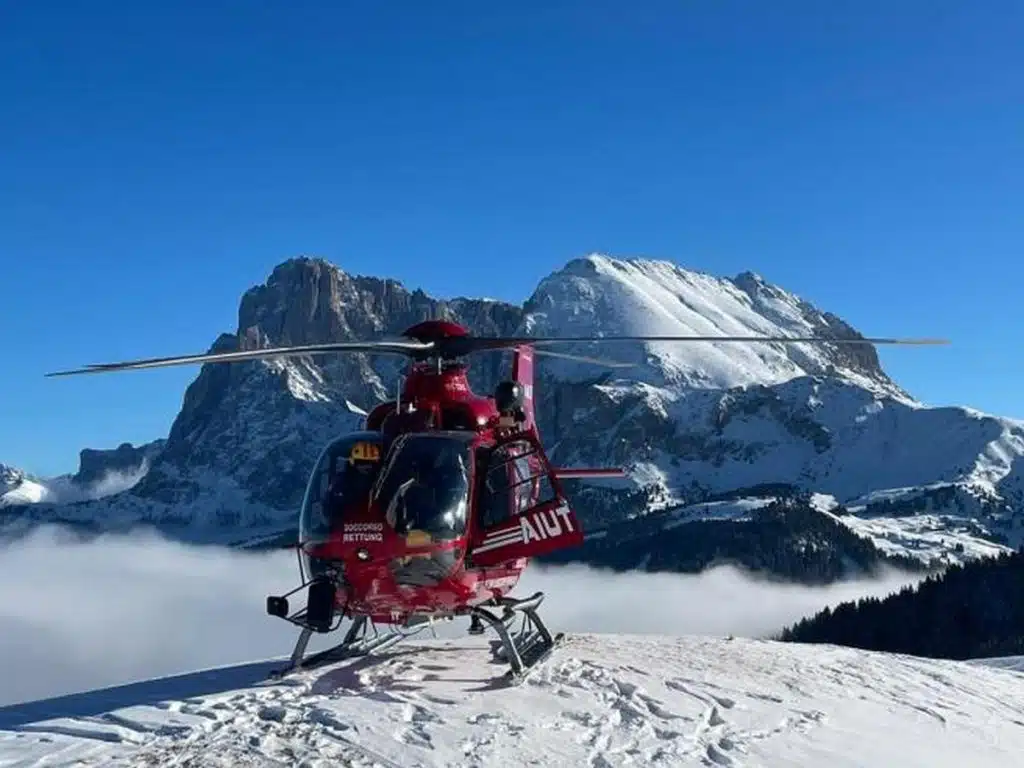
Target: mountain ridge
688, 421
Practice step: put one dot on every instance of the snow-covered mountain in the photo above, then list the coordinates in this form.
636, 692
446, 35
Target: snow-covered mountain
693, 422
101, 473
607, 297
17, 488
598, 701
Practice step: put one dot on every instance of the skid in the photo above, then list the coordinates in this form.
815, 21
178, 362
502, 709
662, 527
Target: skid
522, 648
526, 647
359, 641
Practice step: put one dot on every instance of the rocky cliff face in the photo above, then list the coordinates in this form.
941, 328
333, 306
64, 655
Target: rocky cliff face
688, 420
96, 466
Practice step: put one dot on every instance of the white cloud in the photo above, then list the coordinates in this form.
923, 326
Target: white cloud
719, 601
78, 615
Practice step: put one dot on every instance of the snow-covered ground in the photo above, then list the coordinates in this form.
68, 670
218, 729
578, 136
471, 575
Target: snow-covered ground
1014, 663
926, 537
605, 701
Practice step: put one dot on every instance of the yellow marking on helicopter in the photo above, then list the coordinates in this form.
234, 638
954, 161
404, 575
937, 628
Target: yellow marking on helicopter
364, 451
417, 538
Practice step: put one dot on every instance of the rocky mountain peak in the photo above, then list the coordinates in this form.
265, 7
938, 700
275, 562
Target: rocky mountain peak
775, 302
606, 296
10, 478
257, 427
96, 464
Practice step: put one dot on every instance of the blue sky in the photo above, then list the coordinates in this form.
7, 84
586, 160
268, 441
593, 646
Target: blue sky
159, 158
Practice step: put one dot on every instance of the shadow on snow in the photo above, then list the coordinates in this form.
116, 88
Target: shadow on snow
92, 703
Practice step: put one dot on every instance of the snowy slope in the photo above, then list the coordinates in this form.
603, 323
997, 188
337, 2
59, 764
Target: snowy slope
27, 492
17, 488
603, 296
1012, 663
598, 701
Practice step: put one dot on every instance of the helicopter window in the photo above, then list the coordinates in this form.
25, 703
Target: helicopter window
516, 480
425, 486
496, 493
342, 479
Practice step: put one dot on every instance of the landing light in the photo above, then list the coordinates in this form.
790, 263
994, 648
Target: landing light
363, 554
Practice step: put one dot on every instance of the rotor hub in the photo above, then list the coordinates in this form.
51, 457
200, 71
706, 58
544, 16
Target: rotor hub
450, 339
435, 330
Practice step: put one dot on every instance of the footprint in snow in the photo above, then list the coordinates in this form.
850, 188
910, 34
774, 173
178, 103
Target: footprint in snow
415, 737
433, 699
481, 718
274, 712
723, 701
718, 755
657, 708
327, 719
413, 713
715, 717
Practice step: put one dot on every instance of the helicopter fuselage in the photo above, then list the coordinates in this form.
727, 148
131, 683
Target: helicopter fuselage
488, 499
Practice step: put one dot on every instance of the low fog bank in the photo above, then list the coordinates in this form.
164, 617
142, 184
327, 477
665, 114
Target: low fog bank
79, 615
719, 601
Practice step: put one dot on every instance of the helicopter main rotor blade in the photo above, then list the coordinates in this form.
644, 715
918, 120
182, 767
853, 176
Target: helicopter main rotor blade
582, 359
473, 344
408, 347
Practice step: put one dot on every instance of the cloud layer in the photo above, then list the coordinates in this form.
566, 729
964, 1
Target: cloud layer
79, 615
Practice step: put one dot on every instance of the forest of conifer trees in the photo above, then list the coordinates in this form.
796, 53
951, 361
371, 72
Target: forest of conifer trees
969, 611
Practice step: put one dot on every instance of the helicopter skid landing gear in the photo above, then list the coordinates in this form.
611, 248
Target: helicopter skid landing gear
359, 641
528, 646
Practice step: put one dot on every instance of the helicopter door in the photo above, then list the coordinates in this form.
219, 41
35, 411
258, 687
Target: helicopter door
521, 510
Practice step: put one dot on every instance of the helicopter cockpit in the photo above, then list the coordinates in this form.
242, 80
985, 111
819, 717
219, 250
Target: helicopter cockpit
341, 481
423, 488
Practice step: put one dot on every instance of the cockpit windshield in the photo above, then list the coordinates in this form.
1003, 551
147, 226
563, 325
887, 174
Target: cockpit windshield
424, 486
342, 481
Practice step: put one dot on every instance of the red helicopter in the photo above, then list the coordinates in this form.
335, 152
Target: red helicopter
434, 509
